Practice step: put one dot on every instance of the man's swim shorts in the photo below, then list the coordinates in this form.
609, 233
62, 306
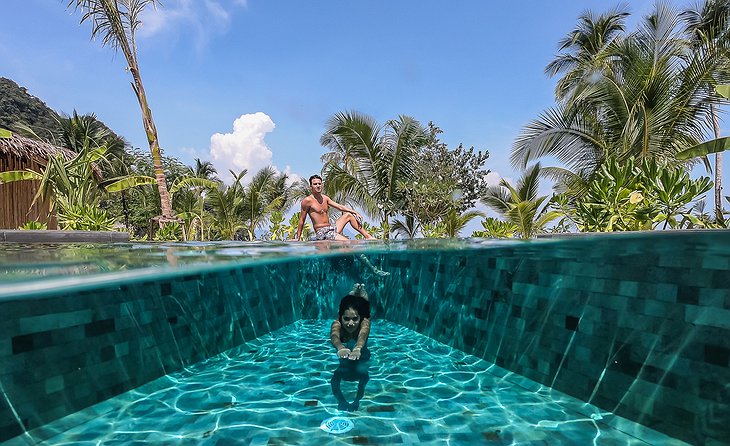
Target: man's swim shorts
325, 233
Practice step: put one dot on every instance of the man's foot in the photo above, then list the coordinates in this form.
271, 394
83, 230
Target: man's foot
373, 268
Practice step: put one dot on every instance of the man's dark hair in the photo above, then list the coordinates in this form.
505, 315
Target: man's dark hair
357, 303
314, 177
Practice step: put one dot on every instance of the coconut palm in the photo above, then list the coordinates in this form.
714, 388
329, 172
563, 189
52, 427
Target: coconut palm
194, 206
116, 22
708, 27
203, 169
406, 228
520, 205
586, 50
367, 161
649, 103
226, 204
266, 193
456, 221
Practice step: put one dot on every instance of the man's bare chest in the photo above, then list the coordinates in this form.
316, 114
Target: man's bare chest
318, 206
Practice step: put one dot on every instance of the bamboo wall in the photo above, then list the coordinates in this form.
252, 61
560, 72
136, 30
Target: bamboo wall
16, 197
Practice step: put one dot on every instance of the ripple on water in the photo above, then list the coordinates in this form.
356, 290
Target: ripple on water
277, 390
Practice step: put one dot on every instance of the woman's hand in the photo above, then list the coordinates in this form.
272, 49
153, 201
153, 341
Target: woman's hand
354, 354
345, 353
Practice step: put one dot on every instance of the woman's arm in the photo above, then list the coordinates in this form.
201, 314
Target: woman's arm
362, 338
335, 330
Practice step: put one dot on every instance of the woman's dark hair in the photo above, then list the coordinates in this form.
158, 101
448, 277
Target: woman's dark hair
358, 303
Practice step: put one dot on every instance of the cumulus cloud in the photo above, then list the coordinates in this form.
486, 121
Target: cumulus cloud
245, 148
291, 176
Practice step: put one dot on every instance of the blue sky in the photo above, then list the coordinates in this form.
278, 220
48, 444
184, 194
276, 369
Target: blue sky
280, 69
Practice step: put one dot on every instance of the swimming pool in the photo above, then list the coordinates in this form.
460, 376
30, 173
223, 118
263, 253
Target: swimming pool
620, 338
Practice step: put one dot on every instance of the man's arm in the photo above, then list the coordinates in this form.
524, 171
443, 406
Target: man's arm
302, 217
343, 208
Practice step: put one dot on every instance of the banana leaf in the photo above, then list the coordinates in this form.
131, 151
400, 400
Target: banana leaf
704, 149
6, 134
124, 183
19, 175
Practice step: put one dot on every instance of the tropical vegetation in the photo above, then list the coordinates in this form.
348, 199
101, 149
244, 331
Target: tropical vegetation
635, 110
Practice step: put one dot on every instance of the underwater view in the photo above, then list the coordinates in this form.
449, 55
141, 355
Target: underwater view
602, 340
278, 389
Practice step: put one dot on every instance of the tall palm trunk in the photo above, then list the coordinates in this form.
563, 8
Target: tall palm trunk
152, 140
116, 21
718, 167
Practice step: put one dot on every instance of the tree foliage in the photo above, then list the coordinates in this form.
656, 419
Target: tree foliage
633, 196
444, 180
636, 95
18, 108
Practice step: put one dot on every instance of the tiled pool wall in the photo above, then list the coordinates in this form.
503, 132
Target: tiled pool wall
639, 327
66, 350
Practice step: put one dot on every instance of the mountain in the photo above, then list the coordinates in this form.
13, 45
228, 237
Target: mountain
17, 106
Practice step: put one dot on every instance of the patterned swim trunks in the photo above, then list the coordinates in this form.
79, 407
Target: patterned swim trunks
325, 233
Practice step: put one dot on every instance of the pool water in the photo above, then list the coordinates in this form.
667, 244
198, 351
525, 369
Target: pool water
277, 389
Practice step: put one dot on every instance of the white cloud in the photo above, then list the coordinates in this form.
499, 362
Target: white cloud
200, 19
493, 178
244, 148
291, 176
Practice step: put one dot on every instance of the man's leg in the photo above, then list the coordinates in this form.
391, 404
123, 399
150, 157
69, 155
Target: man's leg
346, 218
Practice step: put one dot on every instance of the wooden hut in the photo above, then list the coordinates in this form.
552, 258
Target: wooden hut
16, 198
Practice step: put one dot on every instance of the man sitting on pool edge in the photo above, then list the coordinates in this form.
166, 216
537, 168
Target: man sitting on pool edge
316, 206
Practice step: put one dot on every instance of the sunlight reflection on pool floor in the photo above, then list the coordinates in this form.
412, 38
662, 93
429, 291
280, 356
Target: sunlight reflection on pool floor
276, 390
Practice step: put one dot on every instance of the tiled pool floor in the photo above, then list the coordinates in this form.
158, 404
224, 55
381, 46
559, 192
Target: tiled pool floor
276, 391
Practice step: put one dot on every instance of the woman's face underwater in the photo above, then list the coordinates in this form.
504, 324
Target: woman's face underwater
350, 320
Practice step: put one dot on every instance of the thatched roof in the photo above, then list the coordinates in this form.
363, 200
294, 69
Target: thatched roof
26, 148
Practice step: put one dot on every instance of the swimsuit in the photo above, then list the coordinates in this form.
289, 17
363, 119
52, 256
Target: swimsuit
325, 233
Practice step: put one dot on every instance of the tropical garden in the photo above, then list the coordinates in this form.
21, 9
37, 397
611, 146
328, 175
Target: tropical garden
635, 111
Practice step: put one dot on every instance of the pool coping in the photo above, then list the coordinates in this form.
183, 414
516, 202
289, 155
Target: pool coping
58, 236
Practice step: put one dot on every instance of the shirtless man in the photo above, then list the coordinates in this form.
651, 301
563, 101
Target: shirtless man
316, 206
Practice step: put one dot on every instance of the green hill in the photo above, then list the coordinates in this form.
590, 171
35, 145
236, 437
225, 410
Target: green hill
17, 106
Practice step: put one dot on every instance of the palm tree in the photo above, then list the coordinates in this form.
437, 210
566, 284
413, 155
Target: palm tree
708, 28
203, 169
116, 22
649, 102
586, 50
266, 193
206, 171
520, 205
408, 227
367, 162
455, 221
227, 207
